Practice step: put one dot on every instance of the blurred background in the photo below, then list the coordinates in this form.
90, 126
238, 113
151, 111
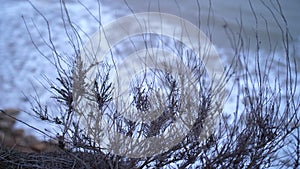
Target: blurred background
23, 70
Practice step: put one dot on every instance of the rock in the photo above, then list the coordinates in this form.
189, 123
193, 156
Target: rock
24, 149
7, 140
16, 138
25, 141
7, 122
45, 146
12, 111
39, 147
18, 133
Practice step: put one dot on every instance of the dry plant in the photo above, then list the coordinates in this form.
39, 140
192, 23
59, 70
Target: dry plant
262, 131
